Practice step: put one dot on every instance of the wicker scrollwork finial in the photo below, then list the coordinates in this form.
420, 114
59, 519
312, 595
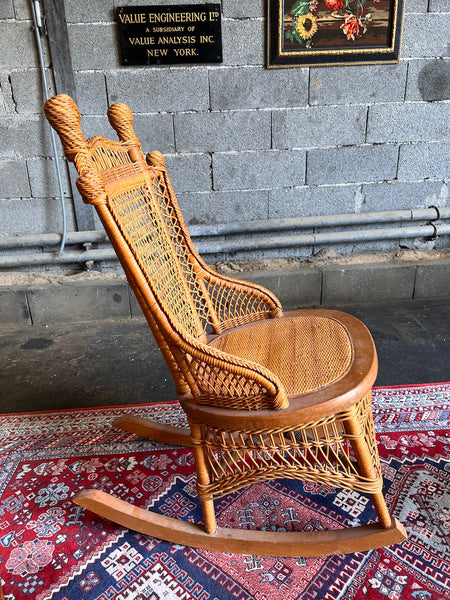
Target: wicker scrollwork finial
121, 119
63, 115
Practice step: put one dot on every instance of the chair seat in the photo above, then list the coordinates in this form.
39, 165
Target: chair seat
307, 351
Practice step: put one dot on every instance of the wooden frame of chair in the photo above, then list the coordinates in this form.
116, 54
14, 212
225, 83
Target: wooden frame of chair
267, 394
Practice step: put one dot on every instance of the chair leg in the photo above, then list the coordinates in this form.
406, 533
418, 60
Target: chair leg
379, 503
203, 479
365, 460
209, 516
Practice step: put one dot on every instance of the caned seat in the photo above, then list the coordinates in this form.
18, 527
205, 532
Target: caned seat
267, 394
320, 345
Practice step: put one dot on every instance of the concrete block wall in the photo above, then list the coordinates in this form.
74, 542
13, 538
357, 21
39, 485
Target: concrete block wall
242, 142
97, 297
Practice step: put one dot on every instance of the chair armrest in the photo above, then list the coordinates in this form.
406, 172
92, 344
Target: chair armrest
236, 302
227, 381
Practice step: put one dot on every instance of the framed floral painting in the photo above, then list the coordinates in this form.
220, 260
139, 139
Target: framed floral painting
307, 33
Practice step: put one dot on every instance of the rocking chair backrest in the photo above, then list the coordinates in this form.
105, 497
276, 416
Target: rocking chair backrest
136, 204
182, 299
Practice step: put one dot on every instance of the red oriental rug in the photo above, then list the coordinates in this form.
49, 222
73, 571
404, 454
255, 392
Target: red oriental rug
53, 549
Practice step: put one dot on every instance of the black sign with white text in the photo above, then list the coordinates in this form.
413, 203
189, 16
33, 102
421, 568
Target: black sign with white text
156, 35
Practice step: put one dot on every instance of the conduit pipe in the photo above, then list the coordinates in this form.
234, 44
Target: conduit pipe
394, 216
313, 239
248, 227
56, 258
229, 246
38, 29
53, 239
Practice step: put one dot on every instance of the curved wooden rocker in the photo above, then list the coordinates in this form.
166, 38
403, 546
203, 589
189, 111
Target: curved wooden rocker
267, 394
240, 541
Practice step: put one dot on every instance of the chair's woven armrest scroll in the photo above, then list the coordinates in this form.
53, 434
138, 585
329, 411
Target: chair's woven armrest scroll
237, 302
228, 381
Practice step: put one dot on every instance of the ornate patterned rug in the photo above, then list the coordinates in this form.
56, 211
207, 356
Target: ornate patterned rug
52, 549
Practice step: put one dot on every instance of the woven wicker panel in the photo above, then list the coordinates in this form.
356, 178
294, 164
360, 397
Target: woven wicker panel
221, 388
134, 207
305, 352
172, 223
319, 451
235, 307
154, 210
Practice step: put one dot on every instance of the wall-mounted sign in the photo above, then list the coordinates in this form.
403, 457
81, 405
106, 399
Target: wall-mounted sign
156, 35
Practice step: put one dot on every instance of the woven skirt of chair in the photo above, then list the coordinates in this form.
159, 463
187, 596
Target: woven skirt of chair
339, 451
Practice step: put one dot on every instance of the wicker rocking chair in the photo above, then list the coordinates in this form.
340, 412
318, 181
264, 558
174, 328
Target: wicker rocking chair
267, 394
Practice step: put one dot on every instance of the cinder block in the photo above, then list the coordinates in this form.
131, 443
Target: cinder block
189, 172
236, 9
320, 126
7, 10
22, 9
223, 207
433, 280
99, 11
375, 83
91, 91
44, 179
243, 42
223, 131
7, 104
24, 216
3, 104
397, 196
439, 6
27, 90
14, 307
92, 125
14, 179
155, 131
25, 136
409, 122
416, 6
352, 284
93, 46
259, 170
424, 161
433, 40
255, 87
352, 164
160, 90
294, 287
307, 201
18, 46
428, 80
78, 302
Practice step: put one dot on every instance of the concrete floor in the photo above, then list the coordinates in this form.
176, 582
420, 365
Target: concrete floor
113, 362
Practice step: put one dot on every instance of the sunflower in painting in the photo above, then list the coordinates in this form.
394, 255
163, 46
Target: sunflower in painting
306, 26
304, 23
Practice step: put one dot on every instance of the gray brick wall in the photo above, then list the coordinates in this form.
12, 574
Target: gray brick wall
242, 142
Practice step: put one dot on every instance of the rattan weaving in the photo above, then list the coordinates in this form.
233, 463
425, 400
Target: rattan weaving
267, 394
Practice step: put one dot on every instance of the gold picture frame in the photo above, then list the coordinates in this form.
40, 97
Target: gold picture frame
315, 33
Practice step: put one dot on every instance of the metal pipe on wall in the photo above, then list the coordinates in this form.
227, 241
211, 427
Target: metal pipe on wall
431, 213
38, 29
229, 246
247, 227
